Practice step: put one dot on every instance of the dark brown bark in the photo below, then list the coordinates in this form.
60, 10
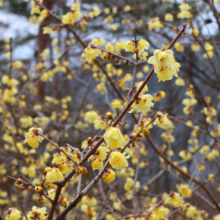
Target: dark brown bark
43, 42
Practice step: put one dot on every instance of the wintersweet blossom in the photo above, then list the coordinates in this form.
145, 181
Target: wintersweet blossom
184, 190
168, 17
155, 23
13, 214
109, 175
174, 199
118, 160
142, 104
195, 47
142, 45
53, 174
32, 138
179, 47
91, 116
95, 11
116, 103
100, 123
180, 82
114, 138
90, 53
164, 64
37, 213
129, 46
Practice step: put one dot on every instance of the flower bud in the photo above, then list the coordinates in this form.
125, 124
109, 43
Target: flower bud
109, 115
30, 188
38, 189
40, 199
48, 185
18, 181
63, 201
21, 188
46, 170
79, 169
85, 171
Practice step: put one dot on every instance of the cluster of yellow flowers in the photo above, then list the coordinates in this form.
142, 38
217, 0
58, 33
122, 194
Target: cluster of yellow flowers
189, 101
185, 13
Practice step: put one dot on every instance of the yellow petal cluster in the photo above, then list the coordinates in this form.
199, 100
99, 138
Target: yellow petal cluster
109, 175
13, 214
54, 174
32, 138
114, 138
142, 104
155, 23
118, 160
164, 64
91, 116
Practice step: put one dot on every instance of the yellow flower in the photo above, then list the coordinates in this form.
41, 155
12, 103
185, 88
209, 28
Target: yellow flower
65, 167
211, 111
205, 149
127, 8
95, 11
174, 199
119, 45
54, 174
37, 213
32, 138
184, 14
154, 23
184, 190
168, 17
26, 122
159, 95
195, 32
90, 53
217, 217
107, 11
208, 46
13, 214
108, 176
116, 103
138, 85
91, 116
184, 6
179, 47
142, 45
164, 64
142, 104
97, 163
129, 185
211, 177
47, 30
100, 123
129, 46
180, 82
98, 41
185, 155
189, 102
208, 54
191, 211
195, 47
118, 160
114, 138
113, 27
75, 6
142, 55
